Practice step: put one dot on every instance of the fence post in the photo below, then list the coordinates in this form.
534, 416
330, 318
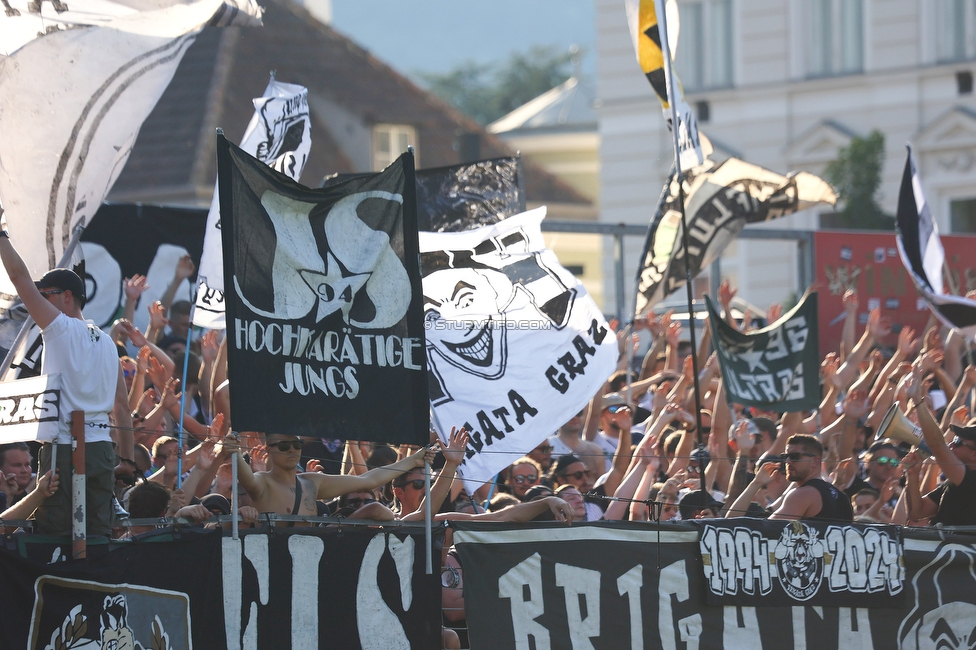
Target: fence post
79, 507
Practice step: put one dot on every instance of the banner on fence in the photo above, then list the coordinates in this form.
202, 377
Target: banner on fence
598, 585
354, 588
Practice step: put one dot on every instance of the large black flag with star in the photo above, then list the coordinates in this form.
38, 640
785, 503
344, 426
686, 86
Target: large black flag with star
777, 367
324, 313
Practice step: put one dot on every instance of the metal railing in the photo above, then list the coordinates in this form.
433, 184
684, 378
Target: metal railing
803, 239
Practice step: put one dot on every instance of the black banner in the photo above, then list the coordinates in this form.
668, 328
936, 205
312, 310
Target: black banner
762, 562
776, 367
290, 590
642, 586
135, 597
372, 591
463, 197
324, 309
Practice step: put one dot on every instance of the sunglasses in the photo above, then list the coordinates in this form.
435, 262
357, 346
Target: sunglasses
359, 503
617, 408
546, 449
288, 445
52, 292
578, 475
527, 478
959, 442
884, 460
417, 484
796, 456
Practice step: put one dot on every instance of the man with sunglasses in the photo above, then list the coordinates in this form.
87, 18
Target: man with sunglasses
881, 462
91, 381
815, 498
283, 490
953, 502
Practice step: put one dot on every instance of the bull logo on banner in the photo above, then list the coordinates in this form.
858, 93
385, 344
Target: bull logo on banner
359, 276
84, 615
800, 560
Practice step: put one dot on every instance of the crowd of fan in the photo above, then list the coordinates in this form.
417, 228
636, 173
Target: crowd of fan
633, 453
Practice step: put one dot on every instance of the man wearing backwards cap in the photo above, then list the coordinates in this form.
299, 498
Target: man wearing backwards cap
953, 502
91, 381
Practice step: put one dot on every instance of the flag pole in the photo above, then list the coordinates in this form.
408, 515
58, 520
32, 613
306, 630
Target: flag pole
186, 363
662, 22
25, 327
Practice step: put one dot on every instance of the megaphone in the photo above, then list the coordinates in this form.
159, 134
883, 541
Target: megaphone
895, 426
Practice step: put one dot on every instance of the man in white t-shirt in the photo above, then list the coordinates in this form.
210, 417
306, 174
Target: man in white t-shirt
91, 381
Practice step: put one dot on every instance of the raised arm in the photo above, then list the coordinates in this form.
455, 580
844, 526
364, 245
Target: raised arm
453, 456
329, 486
42, 311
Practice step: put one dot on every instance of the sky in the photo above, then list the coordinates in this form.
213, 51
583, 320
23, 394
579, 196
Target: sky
437, 35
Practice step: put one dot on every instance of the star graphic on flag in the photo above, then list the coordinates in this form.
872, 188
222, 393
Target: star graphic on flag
754, 359
334, 290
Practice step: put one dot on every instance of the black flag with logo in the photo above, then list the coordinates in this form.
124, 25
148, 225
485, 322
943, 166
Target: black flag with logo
324, 312
776, 367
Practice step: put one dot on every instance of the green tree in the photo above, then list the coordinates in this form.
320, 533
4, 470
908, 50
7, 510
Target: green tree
486, 92
856, 176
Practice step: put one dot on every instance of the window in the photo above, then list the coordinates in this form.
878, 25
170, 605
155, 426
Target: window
834, 37
955, 31
704, 56
389, 141
962, 215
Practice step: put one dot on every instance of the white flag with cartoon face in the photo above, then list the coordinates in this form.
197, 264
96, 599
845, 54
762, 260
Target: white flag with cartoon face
515, 345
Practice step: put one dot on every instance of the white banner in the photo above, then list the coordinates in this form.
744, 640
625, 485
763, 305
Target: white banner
279, 135
71, 105
30, 409
515, 345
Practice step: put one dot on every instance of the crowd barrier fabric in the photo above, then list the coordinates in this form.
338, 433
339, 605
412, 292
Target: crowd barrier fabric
646, 586
313, 588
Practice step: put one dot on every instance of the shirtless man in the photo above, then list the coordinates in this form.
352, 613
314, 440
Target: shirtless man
282, 490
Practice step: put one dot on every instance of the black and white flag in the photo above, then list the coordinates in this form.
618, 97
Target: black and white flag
279, 135
97, 70
324, 312
719, 202
921, 251
776, 367
515, 345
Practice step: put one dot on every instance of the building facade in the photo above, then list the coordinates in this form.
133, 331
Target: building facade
785, 84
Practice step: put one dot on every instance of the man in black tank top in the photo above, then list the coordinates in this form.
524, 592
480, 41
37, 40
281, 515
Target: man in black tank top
814, 498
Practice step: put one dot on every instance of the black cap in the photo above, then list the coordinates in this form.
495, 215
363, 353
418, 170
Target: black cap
967, 432
216, 502
691, 503
66, 280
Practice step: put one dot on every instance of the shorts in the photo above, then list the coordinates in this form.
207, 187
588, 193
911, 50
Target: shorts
53, 516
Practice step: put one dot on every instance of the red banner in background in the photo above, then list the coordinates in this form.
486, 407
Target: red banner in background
869, 263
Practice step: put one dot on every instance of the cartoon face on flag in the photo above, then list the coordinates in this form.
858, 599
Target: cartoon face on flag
515, 346
323, 310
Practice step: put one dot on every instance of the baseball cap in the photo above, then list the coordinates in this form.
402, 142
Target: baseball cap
64, 279
614, 399
694, 501
967, 432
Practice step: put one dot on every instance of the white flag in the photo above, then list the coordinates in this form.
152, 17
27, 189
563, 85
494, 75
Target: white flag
72, 102
515, 345
279, 135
